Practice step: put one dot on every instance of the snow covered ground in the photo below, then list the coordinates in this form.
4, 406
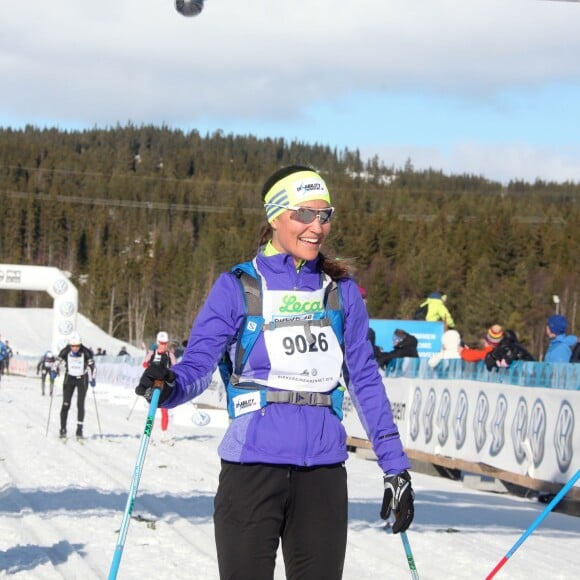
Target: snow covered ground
61, 505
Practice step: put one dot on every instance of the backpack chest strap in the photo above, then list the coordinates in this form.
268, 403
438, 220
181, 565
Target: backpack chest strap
307, 324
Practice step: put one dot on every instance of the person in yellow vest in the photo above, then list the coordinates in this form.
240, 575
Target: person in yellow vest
435, 310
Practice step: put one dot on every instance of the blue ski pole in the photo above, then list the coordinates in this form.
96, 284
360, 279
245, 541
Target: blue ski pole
135, 482
409, 554
535, 524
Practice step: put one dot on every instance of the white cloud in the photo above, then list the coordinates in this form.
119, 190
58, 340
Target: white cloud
499, 162
71, 64
241, 58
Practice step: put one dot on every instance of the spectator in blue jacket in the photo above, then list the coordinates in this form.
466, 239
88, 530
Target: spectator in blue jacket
282, 473
561, 344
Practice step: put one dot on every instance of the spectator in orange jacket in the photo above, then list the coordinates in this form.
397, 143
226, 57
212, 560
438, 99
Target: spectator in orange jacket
491, 340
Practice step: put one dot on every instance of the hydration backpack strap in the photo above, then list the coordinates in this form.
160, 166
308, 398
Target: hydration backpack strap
248, 334
252, 290
331, 296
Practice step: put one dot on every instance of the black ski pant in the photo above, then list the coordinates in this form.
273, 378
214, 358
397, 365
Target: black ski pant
257, 504
70, 384
46, 373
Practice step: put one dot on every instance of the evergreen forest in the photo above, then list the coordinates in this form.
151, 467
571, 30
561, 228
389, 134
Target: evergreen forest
144, 219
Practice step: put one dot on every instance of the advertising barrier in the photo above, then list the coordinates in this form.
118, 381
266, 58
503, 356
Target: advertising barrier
460, 411
522, 430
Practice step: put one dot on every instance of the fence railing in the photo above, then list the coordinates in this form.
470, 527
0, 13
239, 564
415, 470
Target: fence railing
524, 374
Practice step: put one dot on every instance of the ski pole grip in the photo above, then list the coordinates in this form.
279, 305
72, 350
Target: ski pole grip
158, 361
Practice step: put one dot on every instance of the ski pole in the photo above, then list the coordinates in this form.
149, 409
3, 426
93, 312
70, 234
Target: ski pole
157, 385
50, 404
132, 407
97, 412
409, 554
48, 420
535, 524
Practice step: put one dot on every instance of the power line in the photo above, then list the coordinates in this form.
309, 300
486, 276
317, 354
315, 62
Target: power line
157, 205
185, 207
53, 170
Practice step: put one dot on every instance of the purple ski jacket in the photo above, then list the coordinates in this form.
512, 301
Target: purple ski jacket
283, 433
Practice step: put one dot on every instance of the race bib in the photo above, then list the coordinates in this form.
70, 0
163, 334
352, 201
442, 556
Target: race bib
76, 365
304, 355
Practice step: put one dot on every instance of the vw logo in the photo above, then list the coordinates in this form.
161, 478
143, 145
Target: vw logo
415, 411
443, 417
60, 286
563, 436
479, 419
498, 426
67, 309
460, 420
537, 431
519, 430
428, 415
65, 327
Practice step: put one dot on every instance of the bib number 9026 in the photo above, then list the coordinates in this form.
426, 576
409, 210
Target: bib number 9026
299, 344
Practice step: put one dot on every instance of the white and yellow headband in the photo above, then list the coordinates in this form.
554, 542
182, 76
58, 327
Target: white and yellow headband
292, 190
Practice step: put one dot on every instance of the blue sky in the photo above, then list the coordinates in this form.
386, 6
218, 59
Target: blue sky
490, 88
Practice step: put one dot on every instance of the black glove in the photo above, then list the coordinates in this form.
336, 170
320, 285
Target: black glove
399, 497
152, 374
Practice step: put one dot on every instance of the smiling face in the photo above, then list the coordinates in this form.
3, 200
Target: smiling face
301, 241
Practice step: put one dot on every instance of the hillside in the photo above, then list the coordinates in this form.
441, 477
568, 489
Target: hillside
145, 219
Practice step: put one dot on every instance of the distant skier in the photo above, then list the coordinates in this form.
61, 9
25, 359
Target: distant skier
79, 373
44, 369
4, 358
9, 355
161, 347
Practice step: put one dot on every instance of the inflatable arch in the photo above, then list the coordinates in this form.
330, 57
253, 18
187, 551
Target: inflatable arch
57, 284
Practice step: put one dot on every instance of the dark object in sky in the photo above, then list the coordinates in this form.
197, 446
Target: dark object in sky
189, 7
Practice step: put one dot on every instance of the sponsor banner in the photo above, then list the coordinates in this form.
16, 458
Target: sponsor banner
523, 430
428, 334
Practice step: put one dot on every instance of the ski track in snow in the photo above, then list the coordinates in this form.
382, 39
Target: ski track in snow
61, 506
